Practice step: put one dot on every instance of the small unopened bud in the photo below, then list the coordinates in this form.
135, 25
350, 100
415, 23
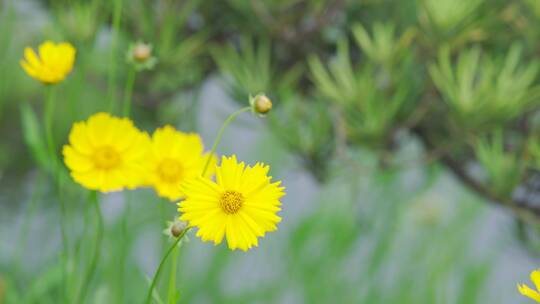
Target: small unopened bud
140, 56
177, 228
142, 51
261, 104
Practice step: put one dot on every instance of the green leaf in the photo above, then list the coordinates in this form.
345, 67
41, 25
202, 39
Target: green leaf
33, 136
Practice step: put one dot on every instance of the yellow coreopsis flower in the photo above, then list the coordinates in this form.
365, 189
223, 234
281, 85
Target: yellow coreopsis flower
529, 292
52, 64
174, 157
241, 205
106, 153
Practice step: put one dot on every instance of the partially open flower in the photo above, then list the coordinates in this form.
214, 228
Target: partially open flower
140, 56
260, 104
51, 64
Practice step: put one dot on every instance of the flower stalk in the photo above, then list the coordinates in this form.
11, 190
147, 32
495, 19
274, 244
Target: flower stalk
171, 295
117, 15
94, 201
162, 264
220, 134
128, 93
48, 121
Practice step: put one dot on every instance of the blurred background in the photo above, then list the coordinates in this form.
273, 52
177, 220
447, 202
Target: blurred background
406, 134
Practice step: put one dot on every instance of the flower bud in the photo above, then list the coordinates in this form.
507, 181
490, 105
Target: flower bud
261, 104
177, 228
141, 52
140, 56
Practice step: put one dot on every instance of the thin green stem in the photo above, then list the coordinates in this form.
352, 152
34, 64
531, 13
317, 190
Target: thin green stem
163, 216
48, 121
128, 93
117, 15
94, 200
80, 241
161, 264
220, 134
124, 246
171, 295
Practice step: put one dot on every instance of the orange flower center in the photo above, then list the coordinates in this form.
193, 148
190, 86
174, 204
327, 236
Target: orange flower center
106, 158
170, 170
231, 201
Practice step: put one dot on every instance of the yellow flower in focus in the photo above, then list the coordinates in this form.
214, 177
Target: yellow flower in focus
106, 153
52, 64
175, 156
241, 205
529, 292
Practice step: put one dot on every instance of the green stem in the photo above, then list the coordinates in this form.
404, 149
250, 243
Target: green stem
163, 216
124, 246
117, 14
48, 120
220, 134
128, 93
97, 248
171, 297
80, 241
161, 264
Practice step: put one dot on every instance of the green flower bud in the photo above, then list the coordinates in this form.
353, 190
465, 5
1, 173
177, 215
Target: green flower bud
260, 104
140, 56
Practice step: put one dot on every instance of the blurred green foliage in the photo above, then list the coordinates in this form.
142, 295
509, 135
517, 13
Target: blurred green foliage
347, 78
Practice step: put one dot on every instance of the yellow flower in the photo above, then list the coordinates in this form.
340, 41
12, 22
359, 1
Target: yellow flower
527, 291
52, 65
175, 156
241, 205
106, 153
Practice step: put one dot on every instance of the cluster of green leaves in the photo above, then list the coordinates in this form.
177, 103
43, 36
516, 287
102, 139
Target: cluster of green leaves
371, 97
483, 94
504, 169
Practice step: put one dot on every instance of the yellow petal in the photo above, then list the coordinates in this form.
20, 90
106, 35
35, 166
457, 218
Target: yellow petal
229, 173
78, 138
526, 291
31, 57
31, 71
75, 161
535, 278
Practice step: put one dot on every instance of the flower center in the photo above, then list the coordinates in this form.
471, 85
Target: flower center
231, 201
106, 158
170, 170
